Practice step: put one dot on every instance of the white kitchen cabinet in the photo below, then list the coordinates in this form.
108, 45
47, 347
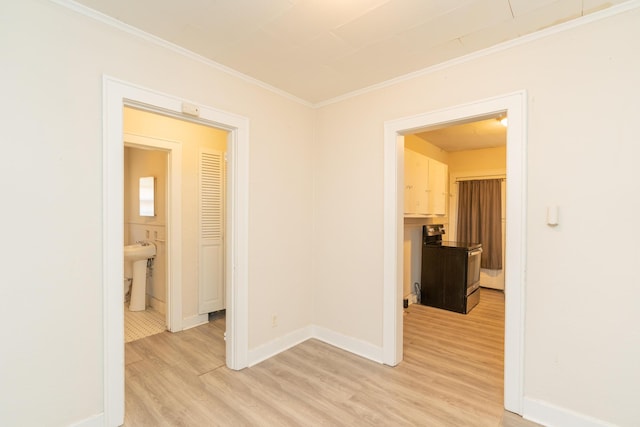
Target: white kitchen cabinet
425, 184
416, 183
438, 173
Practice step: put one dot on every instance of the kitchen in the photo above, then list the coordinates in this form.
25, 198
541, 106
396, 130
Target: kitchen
437, 162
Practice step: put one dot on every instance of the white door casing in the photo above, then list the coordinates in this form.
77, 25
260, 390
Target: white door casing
117, 94
514, 105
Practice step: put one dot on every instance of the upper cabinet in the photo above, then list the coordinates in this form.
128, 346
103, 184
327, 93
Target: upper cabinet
438, 177
425, 185
416, 171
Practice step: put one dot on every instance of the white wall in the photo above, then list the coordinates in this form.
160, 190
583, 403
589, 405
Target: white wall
53, 61
581, 343
581, 340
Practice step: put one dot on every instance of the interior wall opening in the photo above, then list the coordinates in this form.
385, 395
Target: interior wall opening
117, 95
201, 187
436, 161
146, 259
513, 104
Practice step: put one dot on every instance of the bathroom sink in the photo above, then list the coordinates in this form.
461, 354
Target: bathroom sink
137, 255
139, 251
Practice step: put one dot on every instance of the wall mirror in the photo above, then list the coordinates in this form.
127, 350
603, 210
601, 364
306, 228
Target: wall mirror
147, 196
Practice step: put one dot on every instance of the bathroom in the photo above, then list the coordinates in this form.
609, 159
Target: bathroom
197, 280
145, 221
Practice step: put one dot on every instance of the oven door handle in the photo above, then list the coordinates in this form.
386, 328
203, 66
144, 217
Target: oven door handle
475, 252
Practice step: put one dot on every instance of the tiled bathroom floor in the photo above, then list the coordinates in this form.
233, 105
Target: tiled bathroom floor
141, 324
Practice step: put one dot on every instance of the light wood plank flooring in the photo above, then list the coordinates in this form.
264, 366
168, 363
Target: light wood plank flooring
451, 376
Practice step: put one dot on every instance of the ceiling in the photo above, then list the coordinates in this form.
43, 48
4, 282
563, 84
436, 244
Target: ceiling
317, 50
488, 133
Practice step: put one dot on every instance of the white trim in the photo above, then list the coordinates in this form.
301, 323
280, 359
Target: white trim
515, 257
528, 38
137, 32
174, 223
352, 345
587, 19
515, 106
547, 414
116, 94
159, 306
237, 243
193, 321
278, 345
94, 421
113, 258
393, 211
343, 342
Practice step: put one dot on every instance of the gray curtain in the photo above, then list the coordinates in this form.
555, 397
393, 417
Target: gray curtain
480, 218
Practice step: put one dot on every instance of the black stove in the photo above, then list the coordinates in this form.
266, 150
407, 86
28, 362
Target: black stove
450, 271
463, 245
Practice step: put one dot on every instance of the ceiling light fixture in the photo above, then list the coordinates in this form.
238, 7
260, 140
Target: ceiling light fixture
503, 120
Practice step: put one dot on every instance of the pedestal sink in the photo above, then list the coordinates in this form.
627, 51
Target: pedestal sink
138, 255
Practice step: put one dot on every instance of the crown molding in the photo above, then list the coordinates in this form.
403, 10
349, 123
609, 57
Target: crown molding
574, 23
112, 22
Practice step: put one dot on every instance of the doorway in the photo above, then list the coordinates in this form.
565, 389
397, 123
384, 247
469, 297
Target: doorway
147, 223
117, 95
514, 105
437, 161
169, 241
196, 219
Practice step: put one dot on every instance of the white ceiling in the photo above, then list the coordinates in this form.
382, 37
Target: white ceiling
488, 133
317, 50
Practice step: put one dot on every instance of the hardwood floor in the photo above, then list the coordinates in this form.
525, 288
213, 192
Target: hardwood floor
451, 376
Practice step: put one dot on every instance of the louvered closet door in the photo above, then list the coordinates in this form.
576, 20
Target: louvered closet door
211, 250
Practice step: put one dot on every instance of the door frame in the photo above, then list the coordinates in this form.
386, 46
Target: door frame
117, 94
515, 105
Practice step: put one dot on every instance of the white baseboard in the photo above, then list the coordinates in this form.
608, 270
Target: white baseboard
553, 416
94, 421
352, 345
294, 338
278, 345
158, 305
193, 321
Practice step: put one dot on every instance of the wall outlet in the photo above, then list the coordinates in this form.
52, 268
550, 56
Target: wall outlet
274, 321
